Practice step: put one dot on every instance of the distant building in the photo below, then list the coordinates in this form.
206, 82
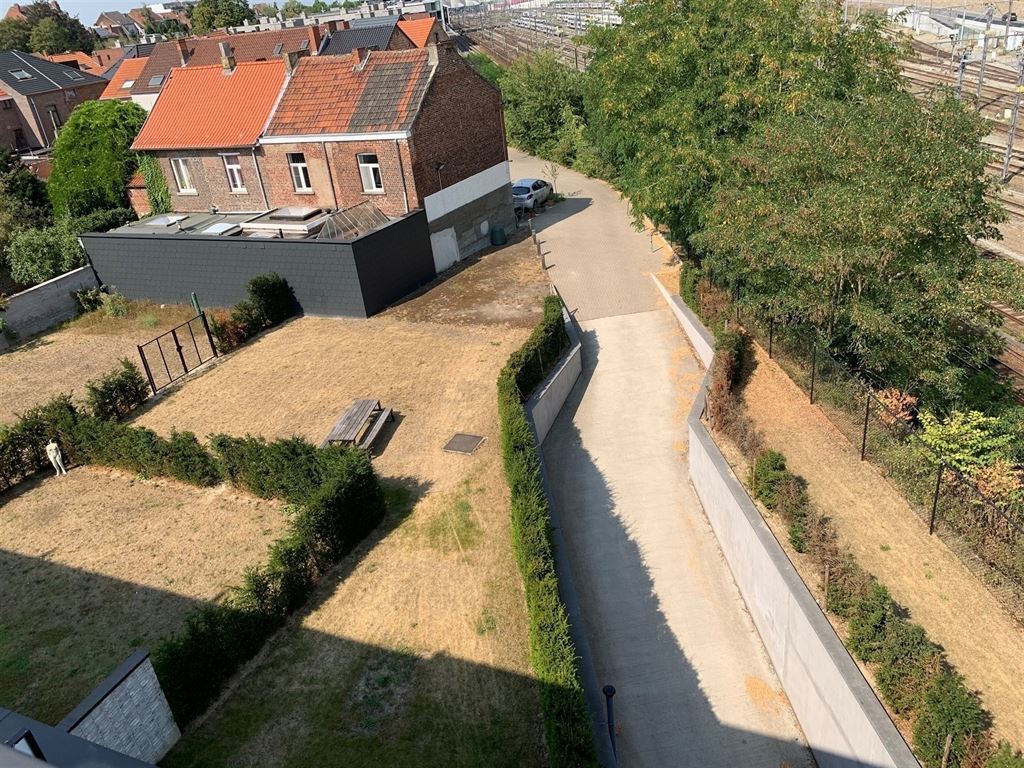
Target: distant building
38, 96
119, 24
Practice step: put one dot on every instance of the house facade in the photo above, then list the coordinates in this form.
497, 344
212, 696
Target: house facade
39, 96
402, 130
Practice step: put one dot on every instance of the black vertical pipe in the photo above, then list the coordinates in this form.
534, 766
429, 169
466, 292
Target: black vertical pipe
867, 414
814, 366
771, 335
177, 347
935, 499
149, 373
609, 693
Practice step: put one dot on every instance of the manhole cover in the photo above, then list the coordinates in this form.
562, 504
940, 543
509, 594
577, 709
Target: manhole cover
463, 443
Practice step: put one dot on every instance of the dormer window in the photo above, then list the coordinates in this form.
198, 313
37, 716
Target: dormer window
20, 74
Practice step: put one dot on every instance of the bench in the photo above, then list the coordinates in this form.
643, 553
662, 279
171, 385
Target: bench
355, 420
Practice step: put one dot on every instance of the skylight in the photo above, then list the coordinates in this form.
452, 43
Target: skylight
74, 75
156, 80
166, 221
20, 74
278, 48
128, 84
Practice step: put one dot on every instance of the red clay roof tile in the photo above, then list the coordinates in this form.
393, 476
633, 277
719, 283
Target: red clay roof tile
120, 84
417, 30
207, 108
333, 94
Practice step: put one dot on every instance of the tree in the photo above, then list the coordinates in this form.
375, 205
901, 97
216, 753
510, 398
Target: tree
92, 158
536, 92
49, 37
857, 218
14, 34
292, 8
23, 201
40, 254
207, 15
77, 36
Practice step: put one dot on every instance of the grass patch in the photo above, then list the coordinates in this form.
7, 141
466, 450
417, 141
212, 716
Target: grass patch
138, 315
454, 527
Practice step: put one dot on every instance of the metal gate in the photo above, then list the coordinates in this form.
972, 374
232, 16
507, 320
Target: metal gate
172, 355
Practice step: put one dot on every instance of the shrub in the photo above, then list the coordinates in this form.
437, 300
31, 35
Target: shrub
290, 468
135, 449
118, 393
967, 440
248, 316
36, 255
102, 220
689, 284
768, 474
847, 584
88, 299
869, 620
273, 296
529, 364
186, 460
947, 708
227, 334
907, 661
23, 444
552, 653
115, 305
1005, 757
792, 504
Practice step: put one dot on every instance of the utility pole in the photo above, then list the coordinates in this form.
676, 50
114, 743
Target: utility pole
1006, 26
1013, 120
984, 52
960, 75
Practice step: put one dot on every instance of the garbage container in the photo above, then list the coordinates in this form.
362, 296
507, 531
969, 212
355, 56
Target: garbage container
498, 236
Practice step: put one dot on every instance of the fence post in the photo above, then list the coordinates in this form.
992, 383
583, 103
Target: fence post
609, 692
935, 499
149, 373
771, 335
209, 336
177, 346
867, 415
814, 366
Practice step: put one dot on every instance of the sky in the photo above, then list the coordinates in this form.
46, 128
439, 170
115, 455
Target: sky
88, 10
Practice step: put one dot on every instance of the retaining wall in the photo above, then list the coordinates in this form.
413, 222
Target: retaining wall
127, 712
842, 718
42, 306
546, 402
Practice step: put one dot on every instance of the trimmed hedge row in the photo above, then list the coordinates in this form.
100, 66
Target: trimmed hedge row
552, 653
911, 672
22, 444
271, 301
339, 501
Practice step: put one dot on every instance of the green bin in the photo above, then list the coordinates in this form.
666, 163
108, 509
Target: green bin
498, 236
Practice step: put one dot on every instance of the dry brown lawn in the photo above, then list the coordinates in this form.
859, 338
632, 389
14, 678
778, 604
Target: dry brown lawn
890, 541
99, 562
63, 360
415, 650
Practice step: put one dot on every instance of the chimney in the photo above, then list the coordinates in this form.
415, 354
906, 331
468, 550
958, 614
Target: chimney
314, 35
361, 55
432, 54
227, 57
182, 50
291, 60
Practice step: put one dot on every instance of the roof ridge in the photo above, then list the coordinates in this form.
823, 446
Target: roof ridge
201, 67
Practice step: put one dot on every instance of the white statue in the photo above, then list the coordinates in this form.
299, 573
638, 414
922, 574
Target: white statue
53, 452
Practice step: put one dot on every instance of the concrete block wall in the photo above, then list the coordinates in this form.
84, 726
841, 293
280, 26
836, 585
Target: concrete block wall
127, 713
472, 223
546, 403
42, 306
842, 718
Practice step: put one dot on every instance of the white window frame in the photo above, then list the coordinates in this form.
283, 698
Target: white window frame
127, 83
300, 172
369, 173
233, 169
183, 176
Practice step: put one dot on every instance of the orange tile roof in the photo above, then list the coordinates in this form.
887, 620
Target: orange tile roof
120, 84
4, 94
137, 181
84, 61
333, 94
206, 108
417, 30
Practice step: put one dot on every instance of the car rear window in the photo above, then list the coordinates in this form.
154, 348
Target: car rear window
520, 190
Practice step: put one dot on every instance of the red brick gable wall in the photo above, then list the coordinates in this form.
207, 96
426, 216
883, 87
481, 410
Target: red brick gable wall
460, 124
10, 120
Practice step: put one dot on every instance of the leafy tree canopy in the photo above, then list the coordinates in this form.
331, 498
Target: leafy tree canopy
536, 92
857, 218
14, 34
75, 36
23, 201
92, 158
207, 15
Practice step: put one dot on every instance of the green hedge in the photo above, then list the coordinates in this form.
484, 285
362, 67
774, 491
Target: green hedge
339, 501
271, 301
552, 653
118, 393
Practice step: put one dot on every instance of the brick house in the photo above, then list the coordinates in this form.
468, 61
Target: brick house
205, 51
119, 86
39, 96
399, 34
404, 130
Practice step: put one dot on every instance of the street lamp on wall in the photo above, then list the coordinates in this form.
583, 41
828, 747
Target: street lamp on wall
439, 166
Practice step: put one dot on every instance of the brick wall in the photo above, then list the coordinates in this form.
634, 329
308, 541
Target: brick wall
343, 174
127, 712
138, 199
64, 104
10, 120
211, 182
460, 124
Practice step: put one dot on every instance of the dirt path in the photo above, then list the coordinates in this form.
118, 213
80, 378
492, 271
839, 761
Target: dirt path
888, 539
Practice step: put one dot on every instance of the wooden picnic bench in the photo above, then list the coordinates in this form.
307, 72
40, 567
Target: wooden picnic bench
360, 424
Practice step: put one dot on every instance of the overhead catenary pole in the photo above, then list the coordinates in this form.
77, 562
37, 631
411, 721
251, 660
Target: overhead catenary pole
960, 75
1006, 26
984, 52
1013, 120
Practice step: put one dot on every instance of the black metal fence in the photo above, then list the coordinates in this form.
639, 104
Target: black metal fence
172, 355
984, 530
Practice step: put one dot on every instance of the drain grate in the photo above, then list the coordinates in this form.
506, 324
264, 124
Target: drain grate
463, 443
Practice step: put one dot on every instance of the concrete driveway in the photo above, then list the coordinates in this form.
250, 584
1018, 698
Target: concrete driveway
665, 622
